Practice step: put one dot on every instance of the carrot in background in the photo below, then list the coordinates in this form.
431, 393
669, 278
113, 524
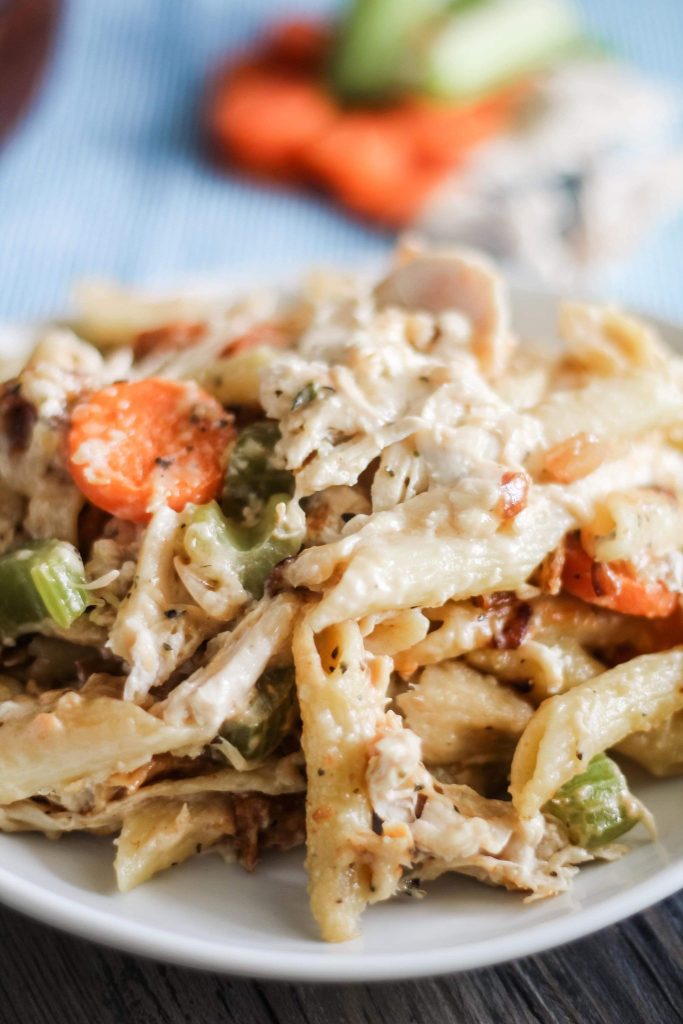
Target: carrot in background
273, 115
170, 337
367, 161
263, 118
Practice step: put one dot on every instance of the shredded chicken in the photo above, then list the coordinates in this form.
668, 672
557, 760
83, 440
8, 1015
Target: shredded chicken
454, 829
157, 626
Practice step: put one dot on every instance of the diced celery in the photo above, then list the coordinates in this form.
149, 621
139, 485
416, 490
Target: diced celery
258, 730
596, 807
252, 476
43, 579
271, 541
258, 525
252, 551
308, 394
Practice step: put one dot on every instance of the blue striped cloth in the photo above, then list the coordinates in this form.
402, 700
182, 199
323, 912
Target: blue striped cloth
107, 177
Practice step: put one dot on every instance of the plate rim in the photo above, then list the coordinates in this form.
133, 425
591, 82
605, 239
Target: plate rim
329, 963
337, 963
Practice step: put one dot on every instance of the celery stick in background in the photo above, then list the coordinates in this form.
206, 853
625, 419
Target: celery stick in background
489, 44
371, 58
450, 50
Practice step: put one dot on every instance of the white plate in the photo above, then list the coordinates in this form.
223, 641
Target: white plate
211, 915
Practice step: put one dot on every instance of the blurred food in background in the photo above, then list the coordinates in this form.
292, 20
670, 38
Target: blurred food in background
491, 122
27, 28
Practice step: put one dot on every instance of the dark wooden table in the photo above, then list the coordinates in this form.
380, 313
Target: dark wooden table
628, 974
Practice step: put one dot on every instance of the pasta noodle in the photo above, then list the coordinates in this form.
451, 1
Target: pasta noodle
593, 716
54, 744
546, 668
420, 566
459, 713
104, 808
605, 340
342, 700
160, 834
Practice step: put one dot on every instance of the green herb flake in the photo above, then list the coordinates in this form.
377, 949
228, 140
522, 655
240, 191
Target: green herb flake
308, 394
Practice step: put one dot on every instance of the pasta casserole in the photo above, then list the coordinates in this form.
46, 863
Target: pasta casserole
351, 565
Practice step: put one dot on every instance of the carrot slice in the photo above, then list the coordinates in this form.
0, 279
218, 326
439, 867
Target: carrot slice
443, 133
264, 117
260, 335
140, 444
367, 161
614, 585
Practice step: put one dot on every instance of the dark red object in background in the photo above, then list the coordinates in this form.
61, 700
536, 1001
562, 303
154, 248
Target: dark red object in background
27, 29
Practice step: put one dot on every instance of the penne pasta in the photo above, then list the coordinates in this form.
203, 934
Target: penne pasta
342, 696
162, 833
569, 729
422, 566
459, 714
61, 740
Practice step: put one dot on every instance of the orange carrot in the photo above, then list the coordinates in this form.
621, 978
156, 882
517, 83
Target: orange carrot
614, 585
264, 118
139, 444
263, 334
443, 133
367, 161
272, 115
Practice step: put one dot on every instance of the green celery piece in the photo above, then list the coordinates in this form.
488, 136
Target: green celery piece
270, 715
252, 477
253, 551
267, 544
596, 806
373, 46
483, 47
20, 603
42, 579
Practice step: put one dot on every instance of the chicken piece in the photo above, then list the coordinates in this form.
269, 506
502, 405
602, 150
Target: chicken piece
33, 409
157, 626
222, 687
456, 281
453, 828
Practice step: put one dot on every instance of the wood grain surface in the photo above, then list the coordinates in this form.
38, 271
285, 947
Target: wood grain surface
628, 974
